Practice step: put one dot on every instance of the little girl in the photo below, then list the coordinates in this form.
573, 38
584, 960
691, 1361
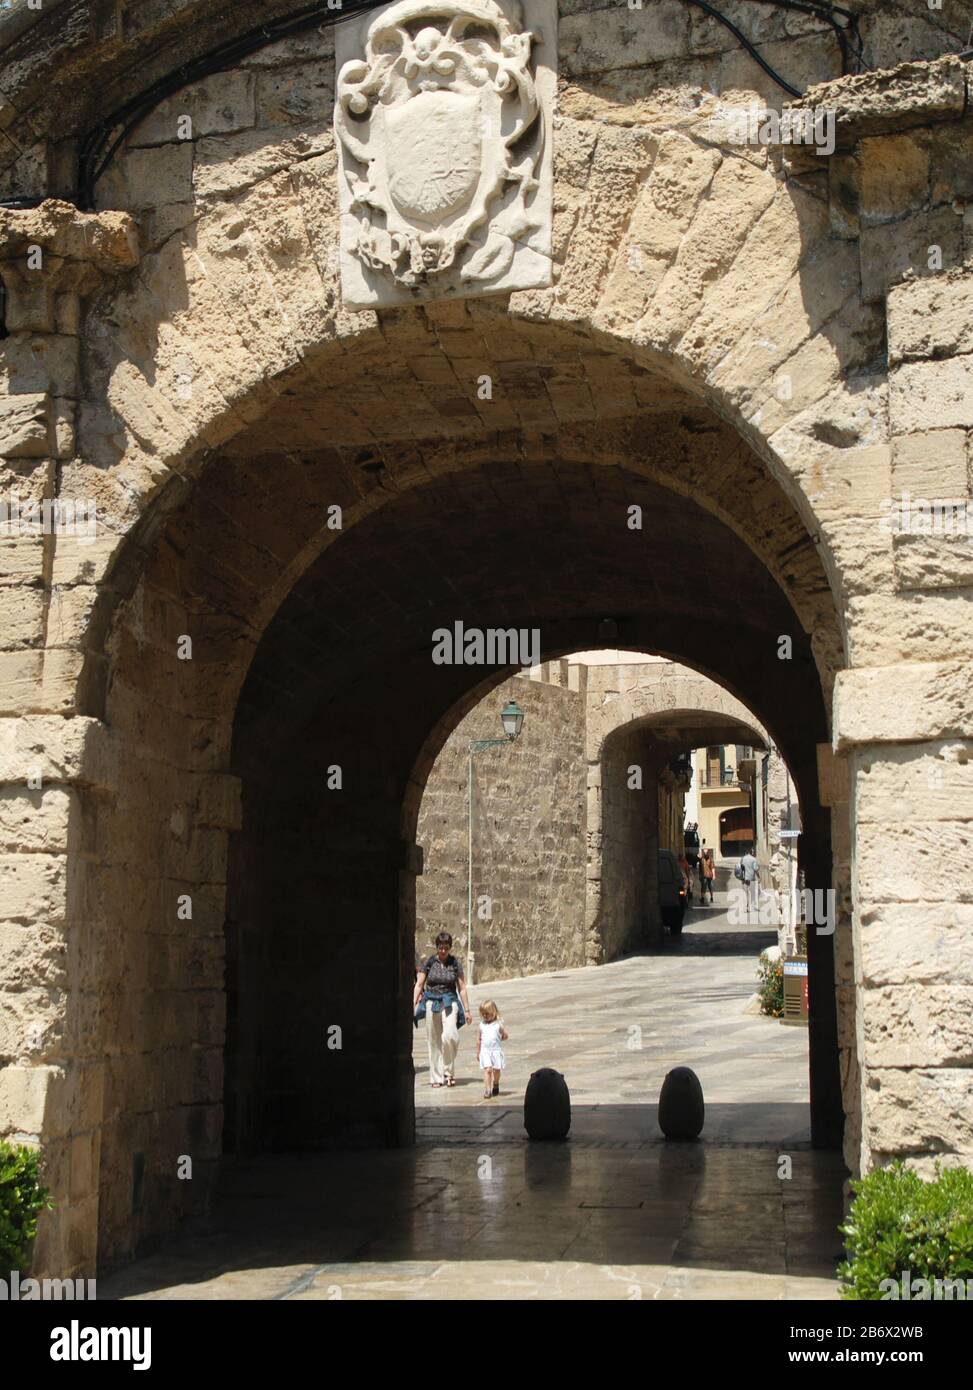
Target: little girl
489, 1053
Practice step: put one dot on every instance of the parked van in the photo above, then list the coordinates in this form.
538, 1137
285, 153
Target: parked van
672, 891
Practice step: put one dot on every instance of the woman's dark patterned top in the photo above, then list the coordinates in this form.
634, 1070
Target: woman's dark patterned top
442, 976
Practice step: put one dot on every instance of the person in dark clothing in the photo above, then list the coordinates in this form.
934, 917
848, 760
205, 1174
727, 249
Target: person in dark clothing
707, 873
440, 984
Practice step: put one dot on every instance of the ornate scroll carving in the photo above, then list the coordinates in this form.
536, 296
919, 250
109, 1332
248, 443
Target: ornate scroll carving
443, 129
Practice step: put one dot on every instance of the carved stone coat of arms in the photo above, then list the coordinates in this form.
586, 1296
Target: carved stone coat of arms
443, 122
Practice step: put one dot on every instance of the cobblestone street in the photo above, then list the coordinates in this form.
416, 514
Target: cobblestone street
615, 1212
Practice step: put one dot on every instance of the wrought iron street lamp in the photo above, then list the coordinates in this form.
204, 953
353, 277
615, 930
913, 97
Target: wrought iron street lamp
512, 719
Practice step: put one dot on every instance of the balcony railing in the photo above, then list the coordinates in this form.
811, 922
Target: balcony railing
728, 781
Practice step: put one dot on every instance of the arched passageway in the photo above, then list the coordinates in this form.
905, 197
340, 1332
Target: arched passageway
286, 759
646, 728
548, 843
754, 345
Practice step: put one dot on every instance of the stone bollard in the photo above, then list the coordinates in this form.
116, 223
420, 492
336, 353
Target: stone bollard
547, 1105
681, 1109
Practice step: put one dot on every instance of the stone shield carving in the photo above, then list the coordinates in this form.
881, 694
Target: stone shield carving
443, 124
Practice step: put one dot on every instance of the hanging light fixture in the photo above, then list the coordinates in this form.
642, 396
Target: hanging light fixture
512, 719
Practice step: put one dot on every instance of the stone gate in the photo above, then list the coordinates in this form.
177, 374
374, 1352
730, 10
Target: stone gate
748, 364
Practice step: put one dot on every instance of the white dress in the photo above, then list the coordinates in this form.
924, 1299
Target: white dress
491, 1053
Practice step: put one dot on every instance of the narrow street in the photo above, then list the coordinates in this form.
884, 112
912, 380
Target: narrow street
475, 1210
615, 1030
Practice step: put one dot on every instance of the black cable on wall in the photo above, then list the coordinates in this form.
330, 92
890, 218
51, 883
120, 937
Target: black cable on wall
100, 145
94, 157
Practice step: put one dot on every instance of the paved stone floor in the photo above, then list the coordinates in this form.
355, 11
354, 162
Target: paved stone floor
613, 1212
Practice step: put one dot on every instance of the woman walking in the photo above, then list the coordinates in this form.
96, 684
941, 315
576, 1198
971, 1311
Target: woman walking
707, 873
440, 984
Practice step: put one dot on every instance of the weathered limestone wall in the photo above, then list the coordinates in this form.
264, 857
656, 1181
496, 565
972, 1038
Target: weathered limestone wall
781, 796
770, 284
673, 783
57, 775
528, 833
622, 845
678, 46
903, 728
913, 799
153, 897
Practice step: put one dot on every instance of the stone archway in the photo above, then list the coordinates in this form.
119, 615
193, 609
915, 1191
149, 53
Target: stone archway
238, 566
646, 714
634, 727
732, 381
341, 677
542, 849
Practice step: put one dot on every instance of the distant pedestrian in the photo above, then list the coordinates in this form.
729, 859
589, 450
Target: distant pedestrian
707, 873
489, 1053
751, 879
439, 985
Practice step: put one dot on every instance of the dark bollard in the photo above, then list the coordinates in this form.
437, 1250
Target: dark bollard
681, 1108
547, 1105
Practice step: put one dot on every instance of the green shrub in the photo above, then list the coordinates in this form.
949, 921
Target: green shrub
898, 1222
771, 987
21, 1198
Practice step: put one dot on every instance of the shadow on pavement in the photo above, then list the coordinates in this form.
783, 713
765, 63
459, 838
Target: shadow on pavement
614, 1193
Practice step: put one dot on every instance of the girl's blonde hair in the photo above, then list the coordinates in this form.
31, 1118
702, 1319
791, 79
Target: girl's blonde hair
489, 1011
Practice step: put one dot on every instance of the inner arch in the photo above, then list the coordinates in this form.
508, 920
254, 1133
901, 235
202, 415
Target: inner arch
312, 652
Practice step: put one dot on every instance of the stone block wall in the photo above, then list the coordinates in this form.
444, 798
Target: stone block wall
903, 729
913, 801
57, 775
528, 835
623, 837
